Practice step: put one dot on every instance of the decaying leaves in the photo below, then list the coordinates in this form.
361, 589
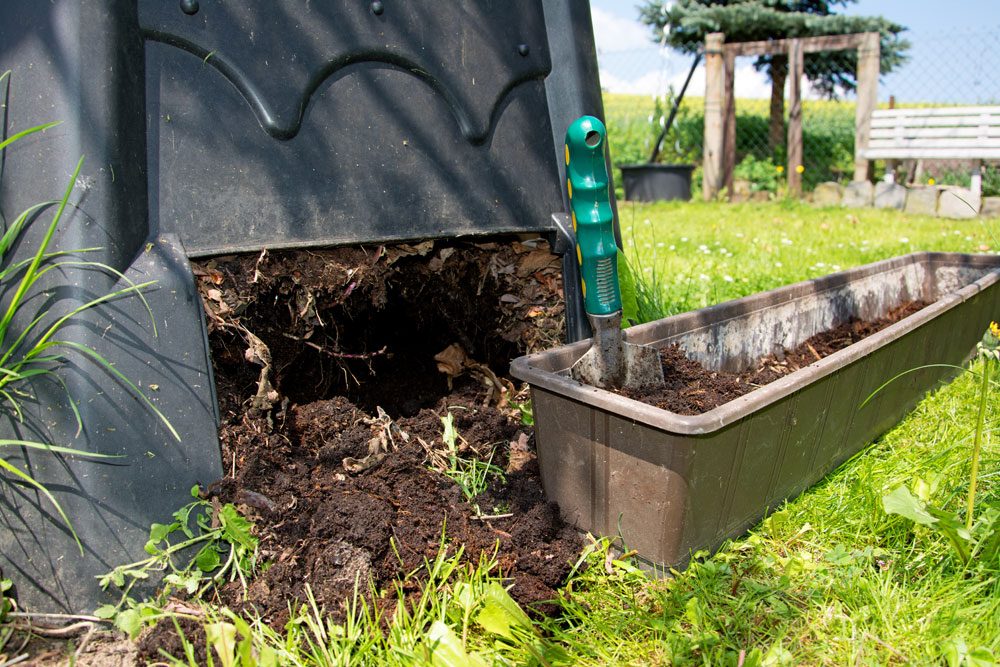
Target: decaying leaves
386, 438
453, 362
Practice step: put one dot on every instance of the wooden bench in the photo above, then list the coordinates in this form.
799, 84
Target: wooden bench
939, 133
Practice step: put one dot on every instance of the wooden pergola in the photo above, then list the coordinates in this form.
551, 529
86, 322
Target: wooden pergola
720, 101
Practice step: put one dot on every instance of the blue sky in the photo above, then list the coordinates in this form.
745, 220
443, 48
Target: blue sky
955, 55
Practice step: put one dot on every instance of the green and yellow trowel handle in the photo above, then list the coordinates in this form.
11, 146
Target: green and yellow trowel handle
593, 218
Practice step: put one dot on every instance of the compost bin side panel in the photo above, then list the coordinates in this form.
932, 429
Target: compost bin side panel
80, 62
285, 124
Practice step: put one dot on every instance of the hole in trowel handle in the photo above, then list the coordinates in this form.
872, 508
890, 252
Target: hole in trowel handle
593, 138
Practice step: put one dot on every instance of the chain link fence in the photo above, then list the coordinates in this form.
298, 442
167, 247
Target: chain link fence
958, 67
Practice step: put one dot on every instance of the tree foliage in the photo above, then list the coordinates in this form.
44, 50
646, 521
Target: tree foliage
684, 24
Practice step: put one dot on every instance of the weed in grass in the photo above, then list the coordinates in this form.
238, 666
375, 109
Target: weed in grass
226, 550
969, 539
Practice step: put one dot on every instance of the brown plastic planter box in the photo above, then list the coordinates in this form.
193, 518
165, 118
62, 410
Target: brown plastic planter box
673, 484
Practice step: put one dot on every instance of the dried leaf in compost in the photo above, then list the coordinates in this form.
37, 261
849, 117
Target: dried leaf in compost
451, 360
534, 261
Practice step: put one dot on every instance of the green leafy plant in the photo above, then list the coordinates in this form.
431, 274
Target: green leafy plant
525, 411
762, 174
968, 538
218, 547
472, 475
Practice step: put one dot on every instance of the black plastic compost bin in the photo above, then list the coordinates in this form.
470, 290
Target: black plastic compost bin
219, 126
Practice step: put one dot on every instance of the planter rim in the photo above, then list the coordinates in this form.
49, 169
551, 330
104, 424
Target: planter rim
531, 368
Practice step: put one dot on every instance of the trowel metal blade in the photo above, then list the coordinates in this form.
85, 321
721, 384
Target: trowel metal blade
640, 368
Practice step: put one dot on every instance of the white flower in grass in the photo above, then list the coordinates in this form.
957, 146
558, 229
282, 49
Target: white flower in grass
647, 245
646, 221
835, 267
684, 239
673, 247
648, 269
723, 251
786, 241
904, 239
820, 264
778, 264
728, 279
739, 235
968, 238
703, 276
703, 247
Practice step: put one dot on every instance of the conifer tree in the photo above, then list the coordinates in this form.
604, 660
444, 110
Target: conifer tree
684, 24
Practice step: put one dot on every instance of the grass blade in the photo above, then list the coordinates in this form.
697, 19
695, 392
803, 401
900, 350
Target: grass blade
24, 133
906, 372
25, 477
31, 444
30, 275
104, 363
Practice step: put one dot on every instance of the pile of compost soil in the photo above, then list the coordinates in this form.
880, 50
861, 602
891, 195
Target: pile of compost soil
334, 369
692, 389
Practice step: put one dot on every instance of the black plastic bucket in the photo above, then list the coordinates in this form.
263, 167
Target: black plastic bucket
657, 182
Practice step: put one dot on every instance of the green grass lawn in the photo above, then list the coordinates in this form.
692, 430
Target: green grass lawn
828, 579
704, 253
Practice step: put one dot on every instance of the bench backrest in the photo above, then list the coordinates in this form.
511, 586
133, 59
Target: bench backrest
940, 132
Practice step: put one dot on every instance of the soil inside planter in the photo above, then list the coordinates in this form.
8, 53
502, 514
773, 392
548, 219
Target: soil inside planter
334, 370
692, 389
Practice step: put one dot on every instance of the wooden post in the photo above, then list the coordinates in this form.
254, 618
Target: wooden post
714, 109
729, 130
795, 66
869, 55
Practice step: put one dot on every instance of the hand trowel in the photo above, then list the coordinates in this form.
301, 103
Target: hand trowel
610, 363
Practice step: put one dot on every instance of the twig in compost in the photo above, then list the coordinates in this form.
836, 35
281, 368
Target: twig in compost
342, 355
53, 617
815, 353
492, 516
84, 642
58, 633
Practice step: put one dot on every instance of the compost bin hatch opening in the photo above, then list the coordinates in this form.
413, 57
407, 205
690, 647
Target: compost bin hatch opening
342, 323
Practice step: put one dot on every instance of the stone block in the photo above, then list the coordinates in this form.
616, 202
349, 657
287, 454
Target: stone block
959, 203
859, 194
890, 195
922, 200
990, 208
828, 194
741, 191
